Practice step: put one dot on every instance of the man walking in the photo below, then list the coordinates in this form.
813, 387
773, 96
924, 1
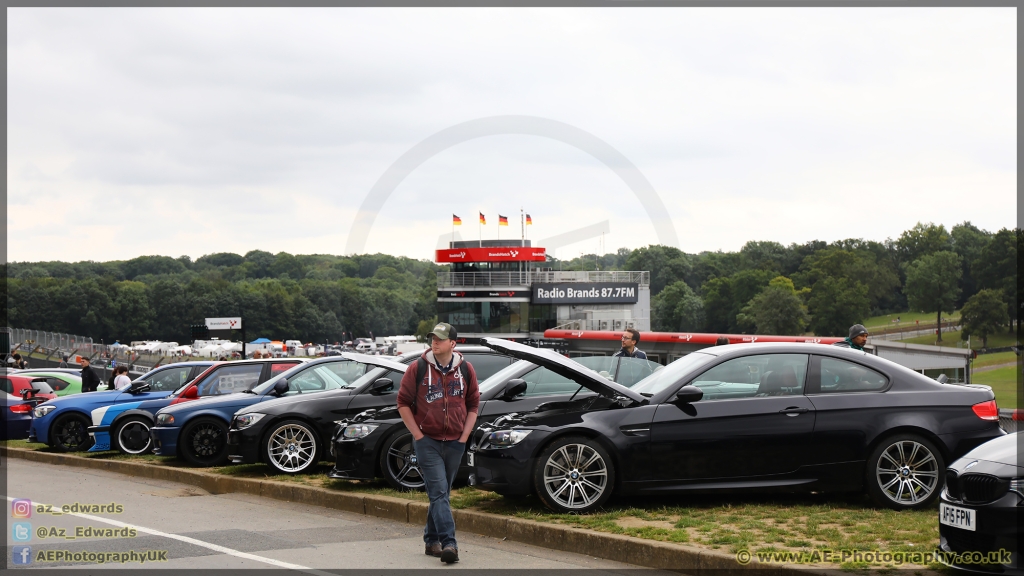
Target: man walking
630, 338
857, 338
90, 381
438, 401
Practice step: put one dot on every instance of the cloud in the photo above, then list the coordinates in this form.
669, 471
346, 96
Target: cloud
190, 131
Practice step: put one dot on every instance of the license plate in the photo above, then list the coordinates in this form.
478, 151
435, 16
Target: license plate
956, 517
469, 459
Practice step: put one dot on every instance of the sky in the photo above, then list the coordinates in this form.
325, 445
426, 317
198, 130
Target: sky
141, 131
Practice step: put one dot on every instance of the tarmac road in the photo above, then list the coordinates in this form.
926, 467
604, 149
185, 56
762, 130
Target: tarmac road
199, 530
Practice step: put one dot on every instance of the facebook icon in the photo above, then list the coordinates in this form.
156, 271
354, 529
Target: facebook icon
21, 555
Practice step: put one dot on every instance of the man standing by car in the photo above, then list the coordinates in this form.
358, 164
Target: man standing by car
630, 338
438, 400
857, 338
90, 381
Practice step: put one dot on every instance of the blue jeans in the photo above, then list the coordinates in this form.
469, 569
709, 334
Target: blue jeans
439, 462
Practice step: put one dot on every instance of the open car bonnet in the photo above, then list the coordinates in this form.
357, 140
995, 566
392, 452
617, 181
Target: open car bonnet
381, 361
563, 366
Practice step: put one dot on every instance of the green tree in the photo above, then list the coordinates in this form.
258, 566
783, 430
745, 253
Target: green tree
424, 328
922, 240
677, 309
666, 265
933, 283
968, 242
836, 304
996, 268
983, 315
133, 317
776, 310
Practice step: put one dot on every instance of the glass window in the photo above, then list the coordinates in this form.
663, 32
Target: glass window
56, 383
347, 372
843, 376
633, 370
603, 365
316, 379
485, 365
231, 379
671, 374
278, 367
544, 382
43, 387
5, 384
753, 376
487, 317
169, 379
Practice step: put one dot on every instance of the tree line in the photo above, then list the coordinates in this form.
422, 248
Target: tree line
764, 288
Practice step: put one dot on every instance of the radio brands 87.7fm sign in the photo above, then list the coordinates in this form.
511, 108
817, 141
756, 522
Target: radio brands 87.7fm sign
586, 293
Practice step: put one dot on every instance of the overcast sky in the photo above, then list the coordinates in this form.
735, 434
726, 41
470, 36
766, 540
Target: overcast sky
193, 131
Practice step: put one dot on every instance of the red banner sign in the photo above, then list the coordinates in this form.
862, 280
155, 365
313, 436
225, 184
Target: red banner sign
497, 254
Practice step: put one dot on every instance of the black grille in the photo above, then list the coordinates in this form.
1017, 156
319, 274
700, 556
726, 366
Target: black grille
952, 484
979, 488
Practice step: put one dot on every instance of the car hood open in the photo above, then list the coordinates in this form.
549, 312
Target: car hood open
564, 367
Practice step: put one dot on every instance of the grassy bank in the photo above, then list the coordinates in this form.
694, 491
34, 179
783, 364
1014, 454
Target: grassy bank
907, 319
950, 339
1004, 384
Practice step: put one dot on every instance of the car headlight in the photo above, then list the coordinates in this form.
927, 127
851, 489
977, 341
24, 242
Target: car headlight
246, 420
358, 431
1017, 485
41, 411
164, 419
507, 438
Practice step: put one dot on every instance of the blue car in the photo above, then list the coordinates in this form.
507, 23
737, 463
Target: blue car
125, 426
62, 423
197, 431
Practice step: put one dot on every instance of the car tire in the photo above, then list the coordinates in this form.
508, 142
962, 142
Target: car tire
203, 442
904, 472
574, 474
70, 433
291, 447
131, 436
398, 463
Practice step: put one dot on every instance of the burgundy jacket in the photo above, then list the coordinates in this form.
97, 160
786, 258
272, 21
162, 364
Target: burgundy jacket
442, 401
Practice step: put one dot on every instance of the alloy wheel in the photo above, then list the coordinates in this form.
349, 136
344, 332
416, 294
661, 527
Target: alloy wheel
133, 437
907, 472
70, 435
575, 476
403, 469
207, 440
291, 448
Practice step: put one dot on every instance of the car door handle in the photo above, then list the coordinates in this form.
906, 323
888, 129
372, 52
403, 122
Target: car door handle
792, 411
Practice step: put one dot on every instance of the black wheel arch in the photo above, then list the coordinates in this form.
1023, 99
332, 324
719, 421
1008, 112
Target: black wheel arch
284, 418
907, 429
590, 435
70, 412
134, 412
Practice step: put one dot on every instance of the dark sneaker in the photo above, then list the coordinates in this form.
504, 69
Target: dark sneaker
450, 554
433, 549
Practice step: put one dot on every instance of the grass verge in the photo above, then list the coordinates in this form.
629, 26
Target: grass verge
758, 523
907, 319
950, 339
1004, 384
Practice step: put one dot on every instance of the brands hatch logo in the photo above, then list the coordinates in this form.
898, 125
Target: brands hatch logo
457, 255
514, 253
232, 323
685, 337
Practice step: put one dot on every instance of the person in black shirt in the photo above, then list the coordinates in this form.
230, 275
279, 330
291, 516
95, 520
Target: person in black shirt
90, 381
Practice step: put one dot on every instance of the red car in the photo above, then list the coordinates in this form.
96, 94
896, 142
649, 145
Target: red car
18, 385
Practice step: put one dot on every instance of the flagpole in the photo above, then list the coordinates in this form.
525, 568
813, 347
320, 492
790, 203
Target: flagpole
522, 228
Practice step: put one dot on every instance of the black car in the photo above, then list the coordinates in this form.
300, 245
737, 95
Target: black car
740, 417
258, 432
979, 511
378, 444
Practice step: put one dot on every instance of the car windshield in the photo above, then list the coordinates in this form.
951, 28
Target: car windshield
501, 376
43, 387
671, 374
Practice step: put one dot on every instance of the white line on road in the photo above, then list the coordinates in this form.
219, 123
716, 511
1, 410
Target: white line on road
186, 539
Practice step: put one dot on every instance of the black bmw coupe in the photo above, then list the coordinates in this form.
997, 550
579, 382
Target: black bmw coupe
739, 417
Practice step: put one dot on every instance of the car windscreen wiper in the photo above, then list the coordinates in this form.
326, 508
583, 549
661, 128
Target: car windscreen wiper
247, 391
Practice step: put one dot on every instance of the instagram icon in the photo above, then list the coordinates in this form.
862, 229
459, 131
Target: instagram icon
21, 509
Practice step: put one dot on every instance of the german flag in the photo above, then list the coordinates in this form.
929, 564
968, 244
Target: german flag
502, 220
529, 221
456, 221
482, 219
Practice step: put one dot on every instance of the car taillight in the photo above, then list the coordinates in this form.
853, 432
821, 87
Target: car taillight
987, 410
21, 408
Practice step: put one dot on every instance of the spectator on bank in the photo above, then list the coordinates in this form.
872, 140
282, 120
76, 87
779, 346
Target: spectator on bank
19, 362
63, 361
110, 381
630, 338
857, 338
122, 378
90, 381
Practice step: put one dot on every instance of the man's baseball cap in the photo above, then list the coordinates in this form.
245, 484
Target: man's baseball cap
857, 330
445, 331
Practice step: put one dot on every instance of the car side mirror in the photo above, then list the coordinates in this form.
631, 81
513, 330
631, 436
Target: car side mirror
513, 388
139, 388
382, 386
190, 393
281, 386
688, 394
